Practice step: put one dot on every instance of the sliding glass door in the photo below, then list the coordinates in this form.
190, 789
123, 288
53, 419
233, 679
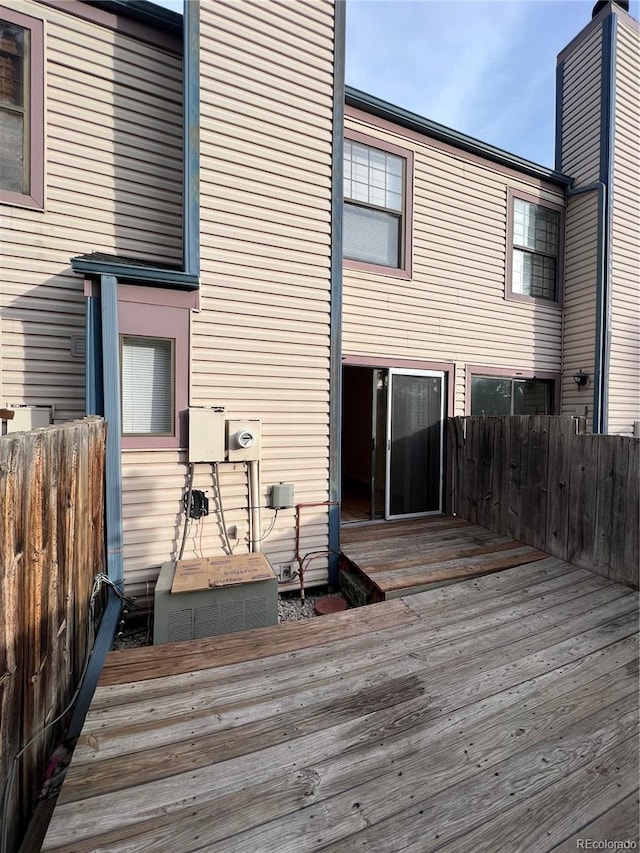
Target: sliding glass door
414, 451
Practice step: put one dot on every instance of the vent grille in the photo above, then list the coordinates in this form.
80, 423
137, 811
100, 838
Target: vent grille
180, 625
255, 612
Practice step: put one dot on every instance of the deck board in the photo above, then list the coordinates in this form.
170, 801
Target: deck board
400, 557
446, 720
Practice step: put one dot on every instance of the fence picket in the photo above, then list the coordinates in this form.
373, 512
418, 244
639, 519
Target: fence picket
554, 487
51, 485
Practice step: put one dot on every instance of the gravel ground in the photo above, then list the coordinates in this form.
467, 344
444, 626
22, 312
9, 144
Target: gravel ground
290, 609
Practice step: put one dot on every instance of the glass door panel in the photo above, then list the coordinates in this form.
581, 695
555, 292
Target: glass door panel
415, 420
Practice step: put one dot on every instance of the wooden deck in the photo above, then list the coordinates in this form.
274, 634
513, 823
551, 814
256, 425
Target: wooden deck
395, 558
496, 714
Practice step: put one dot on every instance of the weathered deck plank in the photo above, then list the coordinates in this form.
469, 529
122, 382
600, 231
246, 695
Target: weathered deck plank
465, 713
156, 661
620, 819
411, 556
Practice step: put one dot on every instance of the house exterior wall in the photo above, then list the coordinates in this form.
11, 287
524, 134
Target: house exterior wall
578, 333
260, 341
624, 366
581, 109
453, 308
113, 183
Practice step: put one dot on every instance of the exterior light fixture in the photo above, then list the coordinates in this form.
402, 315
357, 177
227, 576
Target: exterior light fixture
581, 379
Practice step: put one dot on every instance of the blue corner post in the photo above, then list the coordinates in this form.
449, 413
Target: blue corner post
113, 467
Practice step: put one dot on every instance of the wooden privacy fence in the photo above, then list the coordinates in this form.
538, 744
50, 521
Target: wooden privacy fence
51, 547
549, 484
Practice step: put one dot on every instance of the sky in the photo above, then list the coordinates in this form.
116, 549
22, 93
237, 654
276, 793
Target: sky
483, 67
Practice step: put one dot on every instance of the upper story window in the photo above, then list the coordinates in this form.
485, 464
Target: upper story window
534, 262
21, 110
376, 234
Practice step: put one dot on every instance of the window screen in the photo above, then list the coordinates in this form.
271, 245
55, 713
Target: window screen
371, 236
147, 386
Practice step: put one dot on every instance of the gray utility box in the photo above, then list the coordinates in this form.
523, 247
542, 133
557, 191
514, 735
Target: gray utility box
209, 612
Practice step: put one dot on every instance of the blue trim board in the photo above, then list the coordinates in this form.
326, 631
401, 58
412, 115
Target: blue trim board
335, 395
191, 126
133, 273
101, 648
559, 106
94, 396
111, 374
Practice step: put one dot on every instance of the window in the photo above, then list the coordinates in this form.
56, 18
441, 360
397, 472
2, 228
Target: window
376, 205
21, 110
535, 251
504, 396
147, 376
154, 366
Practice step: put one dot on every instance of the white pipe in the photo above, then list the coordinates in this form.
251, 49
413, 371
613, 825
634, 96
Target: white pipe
254, 504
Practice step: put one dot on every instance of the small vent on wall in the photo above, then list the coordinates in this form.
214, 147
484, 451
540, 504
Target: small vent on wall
77, 346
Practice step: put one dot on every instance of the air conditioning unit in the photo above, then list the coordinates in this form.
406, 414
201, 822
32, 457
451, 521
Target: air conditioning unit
209, 612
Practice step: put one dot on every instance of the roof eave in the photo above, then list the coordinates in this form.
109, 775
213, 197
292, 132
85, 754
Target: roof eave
397, 115
144, 12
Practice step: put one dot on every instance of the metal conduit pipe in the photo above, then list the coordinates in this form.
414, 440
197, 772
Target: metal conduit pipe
254, 506
299, 559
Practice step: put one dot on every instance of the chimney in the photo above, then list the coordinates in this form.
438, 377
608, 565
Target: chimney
624, 5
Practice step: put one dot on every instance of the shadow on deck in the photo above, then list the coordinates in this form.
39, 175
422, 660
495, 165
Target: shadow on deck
390, 559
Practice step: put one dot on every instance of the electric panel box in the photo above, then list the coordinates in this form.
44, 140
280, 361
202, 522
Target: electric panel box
209, 612
244, 440
206, 435
282, 496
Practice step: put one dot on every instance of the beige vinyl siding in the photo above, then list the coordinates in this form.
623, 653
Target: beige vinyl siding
260, 342
624, 371
454, 307
581, 110
153, 485
579, 326
113, 183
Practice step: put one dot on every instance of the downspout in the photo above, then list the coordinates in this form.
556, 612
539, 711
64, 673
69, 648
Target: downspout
607, 139
335, 352
93, 382
191, 138
601, 291
113, 462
